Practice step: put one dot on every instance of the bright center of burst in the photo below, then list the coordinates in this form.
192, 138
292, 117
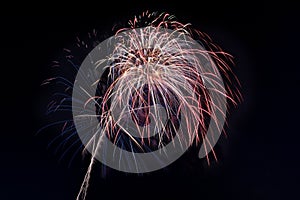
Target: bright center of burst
154, 120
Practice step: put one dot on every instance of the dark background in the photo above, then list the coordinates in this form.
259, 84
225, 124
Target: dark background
259, 160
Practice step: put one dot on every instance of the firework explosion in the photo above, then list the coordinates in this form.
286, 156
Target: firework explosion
156, 86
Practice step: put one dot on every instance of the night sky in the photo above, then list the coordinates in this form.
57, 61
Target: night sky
258, 160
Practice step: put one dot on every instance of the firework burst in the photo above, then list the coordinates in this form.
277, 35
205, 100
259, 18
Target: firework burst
146, 94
